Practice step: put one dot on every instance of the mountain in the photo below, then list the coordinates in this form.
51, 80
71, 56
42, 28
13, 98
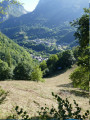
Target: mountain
12, 10
48, 22
58, 11
52, 12
11, 50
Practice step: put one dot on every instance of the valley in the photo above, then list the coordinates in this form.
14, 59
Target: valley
41, 52
44, 23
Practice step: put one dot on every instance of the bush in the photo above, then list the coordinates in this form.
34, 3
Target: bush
3, 95
80, 78
65, 111
37, 74
23, 71
5, 71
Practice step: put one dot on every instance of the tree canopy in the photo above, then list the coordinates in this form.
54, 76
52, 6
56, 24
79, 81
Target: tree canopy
82, 34
3, 10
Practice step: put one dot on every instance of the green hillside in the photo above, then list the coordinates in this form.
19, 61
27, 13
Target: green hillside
12, 53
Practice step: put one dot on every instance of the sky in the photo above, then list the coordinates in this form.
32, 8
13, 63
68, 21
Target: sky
29, 5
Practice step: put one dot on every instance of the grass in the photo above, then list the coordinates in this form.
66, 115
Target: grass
32, 95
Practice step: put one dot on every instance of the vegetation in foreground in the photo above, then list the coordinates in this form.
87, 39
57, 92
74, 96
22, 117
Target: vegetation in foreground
65, 111
28, 92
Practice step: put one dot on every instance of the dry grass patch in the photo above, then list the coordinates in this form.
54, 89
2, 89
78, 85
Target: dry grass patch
32, 95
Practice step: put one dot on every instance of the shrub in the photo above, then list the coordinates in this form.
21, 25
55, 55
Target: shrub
64, 111
80, 78
37, 74
3, 95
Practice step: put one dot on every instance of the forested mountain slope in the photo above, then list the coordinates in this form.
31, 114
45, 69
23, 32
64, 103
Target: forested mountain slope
12, 53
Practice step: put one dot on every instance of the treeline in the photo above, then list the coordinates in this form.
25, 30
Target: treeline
57, 62
40, 47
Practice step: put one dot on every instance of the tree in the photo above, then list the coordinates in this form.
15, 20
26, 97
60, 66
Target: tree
37, 74
5, 72
66, 59
52, 62
82, 33
3, 10
81, 74
23, 71
43, 65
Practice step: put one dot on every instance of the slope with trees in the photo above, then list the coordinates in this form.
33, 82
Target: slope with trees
15, 61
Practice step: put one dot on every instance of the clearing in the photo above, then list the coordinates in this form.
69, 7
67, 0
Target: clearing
32, 95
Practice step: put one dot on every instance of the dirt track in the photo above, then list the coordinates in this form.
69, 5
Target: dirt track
32, 95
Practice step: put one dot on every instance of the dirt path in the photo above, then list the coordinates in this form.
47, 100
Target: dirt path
32, 95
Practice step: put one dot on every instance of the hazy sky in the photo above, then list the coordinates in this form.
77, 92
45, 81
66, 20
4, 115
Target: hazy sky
29, 5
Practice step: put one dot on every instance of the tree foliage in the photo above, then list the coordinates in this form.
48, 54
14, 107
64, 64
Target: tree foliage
43, 65
23, 71
66, 59
11, 52
57, 62
37, 74
5, 72
80, 76
52, 62
3, 10
82, 33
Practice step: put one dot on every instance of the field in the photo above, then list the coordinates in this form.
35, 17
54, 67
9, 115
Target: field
32, 95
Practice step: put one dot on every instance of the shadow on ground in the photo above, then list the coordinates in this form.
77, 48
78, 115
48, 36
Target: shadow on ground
79, 93
55, 74
69, 85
